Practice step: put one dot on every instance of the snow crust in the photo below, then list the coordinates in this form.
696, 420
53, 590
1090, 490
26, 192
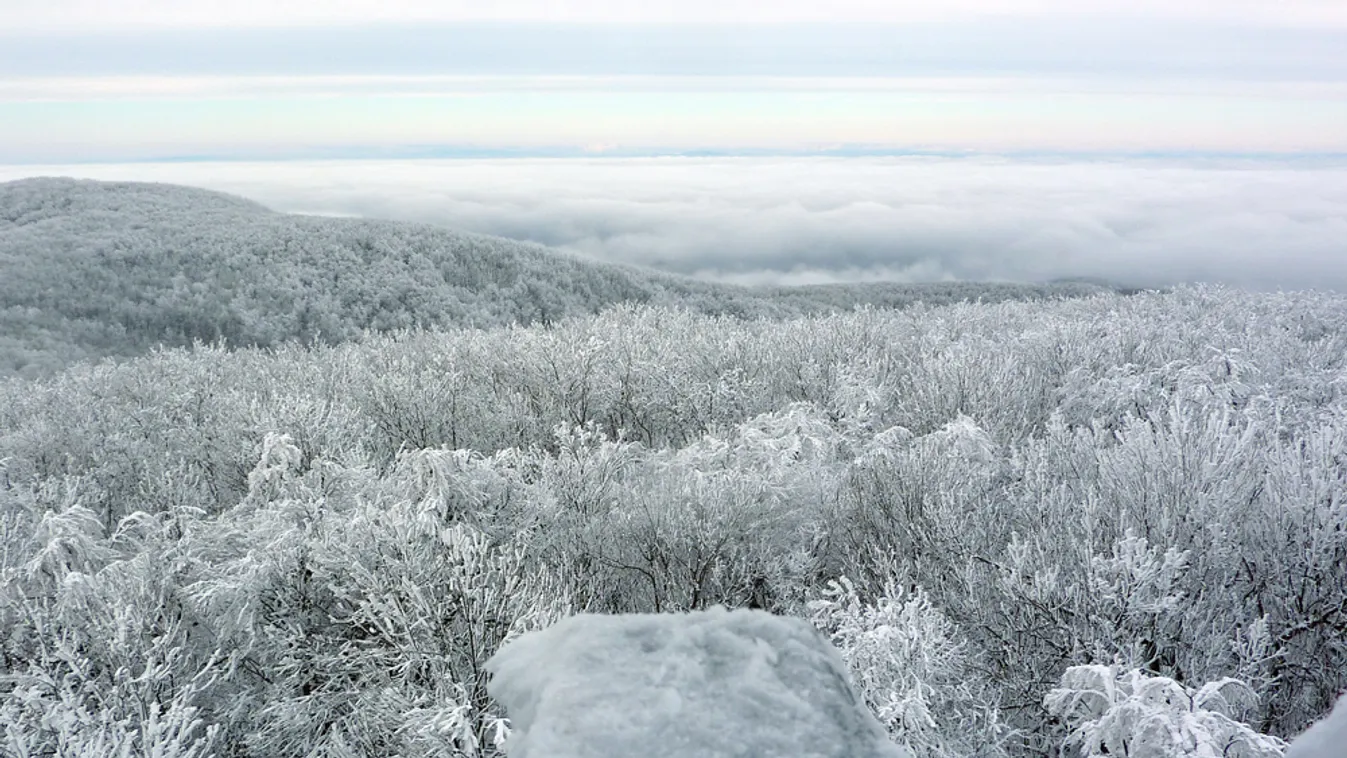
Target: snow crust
709, 684
1326, 739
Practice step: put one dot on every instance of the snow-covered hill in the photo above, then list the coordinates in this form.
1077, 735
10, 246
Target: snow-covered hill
90, 269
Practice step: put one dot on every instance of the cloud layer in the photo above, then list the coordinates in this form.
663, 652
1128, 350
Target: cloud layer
1261, 225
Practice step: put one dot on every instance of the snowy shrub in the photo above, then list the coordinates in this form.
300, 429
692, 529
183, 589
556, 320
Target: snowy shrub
728, 519
279, 461
1153, 480
69, 728
1137, 602
67, 542
106, 664
397, 610
1113, 712
912, 669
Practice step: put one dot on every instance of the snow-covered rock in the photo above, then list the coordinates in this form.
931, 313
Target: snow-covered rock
1326, 739
710, 684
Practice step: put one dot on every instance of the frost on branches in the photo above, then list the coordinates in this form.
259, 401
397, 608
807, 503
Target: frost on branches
314, 550
912, 670
705, 684
1131, 713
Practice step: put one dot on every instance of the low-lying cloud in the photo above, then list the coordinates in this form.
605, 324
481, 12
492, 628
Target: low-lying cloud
1255, 224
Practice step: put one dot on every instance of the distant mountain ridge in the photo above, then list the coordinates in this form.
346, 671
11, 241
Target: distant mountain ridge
91, 269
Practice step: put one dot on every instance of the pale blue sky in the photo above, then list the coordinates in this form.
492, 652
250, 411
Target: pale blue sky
1143, 141
148, 79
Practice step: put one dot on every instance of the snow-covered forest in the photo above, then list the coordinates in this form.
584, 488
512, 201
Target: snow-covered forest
97, 269
1112, 525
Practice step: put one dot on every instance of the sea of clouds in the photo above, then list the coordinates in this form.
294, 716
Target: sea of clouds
1259, 224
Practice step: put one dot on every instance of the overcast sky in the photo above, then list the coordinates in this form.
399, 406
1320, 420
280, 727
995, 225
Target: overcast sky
1143, 141
104, 14
91, 80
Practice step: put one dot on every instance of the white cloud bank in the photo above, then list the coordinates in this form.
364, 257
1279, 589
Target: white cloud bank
1261, 225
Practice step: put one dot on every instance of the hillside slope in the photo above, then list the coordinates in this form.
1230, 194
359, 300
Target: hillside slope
91, 269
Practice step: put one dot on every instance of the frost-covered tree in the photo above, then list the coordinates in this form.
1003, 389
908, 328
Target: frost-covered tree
913, 669
314, 548
91, 269
1127, 712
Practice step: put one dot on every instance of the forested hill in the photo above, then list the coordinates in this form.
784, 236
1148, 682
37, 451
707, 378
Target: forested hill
91, 269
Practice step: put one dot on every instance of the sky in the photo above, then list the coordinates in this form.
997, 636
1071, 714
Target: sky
1144, 141
118, 80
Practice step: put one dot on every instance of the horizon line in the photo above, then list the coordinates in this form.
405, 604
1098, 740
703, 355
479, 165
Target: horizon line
356, 153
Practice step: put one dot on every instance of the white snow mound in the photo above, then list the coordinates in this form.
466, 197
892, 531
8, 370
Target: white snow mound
1326, 739
711, 684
